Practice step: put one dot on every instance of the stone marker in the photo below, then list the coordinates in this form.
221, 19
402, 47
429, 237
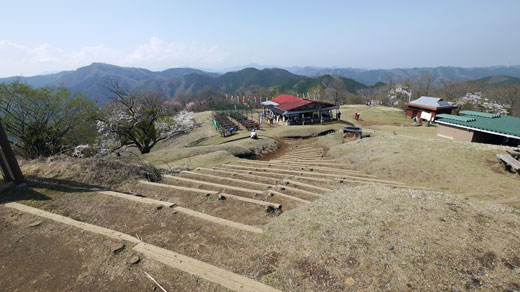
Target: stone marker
35, 223
117, 248
134, 260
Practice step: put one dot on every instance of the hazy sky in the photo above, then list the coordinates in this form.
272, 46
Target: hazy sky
43, 36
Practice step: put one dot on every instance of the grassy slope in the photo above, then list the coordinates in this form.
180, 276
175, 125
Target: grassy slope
417, 157
460, 167
441, 241
205, 147
373, 238
341, 241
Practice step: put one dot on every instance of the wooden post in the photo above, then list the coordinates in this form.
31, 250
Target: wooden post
12, 171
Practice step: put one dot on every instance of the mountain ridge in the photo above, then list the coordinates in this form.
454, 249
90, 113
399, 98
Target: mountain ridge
92, 79
440, 74
172, 82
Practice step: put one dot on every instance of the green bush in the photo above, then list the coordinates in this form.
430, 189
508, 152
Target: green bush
45, 121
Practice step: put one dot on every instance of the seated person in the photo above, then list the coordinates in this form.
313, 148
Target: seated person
254, 135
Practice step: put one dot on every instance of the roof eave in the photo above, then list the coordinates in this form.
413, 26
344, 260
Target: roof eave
477, 129
429, 107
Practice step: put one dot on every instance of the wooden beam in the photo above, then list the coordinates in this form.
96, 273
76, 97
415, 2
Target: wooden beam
10, 159
172, 259
239, 198
186, 211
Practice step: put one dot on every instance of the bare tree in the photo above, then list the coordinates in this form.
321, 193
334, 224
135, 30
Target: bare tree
336, 90
422, 85
509, 95
137, 119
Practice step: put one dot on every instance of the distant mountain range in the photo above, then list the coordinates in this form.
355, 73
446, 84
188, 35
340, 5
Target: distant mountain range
439, 74
494, 81
93, 79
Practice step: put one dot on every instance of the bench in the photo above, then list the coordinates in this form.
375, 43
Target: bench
509, 162
515, 153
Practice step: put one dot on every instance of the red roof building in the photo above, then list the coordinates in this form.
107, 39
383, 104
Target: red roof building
295, 110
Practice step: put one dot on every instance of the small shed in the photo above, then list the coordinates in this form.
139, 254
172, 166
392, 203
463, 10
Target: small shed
426, 108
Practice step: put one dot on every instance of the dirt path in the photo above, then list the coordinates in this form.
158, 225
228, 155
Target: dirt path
186, 264
39, 254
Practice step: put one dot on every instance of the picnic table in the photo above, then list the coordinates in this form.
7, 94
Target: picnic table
514, 152
510, 162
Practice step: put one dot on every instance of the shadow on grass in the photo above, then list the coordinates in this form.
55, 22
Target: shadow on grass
29, 191
346, 123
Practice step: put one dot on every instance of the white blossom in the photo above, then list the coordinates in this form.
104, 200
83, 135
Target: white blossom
482, 103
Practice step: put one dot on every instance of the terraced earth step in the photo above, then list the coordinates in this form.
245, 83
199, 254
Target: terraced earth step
262, 186
303, 166
286, 187
279, 167
172, 259
305, 160
259, 174
288, 196
312, 151
320, 163
263, 174
313, 179
222, 186
324, 160
330, 169
209, 192
185, 211
326, 190
273, 181
338, 176
316, 164
267, 187
306, 156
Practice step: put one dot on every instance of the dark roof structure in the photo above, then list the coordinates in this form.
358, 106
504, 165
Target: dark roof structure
274, 109
486, 122
287, 103
430, 102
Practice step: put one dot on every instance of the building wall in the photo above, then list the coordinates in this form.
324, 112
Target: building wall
417, 110
459, 134
454, 133
444, 110
481, 137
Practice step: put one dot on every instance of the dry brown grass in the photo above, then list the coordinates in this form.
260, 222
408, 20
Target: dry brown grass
373, 238
241, 148
202, 160
302, 131
367, 238
375, 115
93, 171
469, 169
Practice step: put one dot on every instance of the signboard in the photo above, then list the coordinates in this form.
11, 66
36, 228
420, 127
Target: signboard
426, 116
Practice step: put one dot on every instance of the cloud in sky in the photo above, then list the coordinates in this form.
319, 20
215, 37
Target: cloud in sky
156, 54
